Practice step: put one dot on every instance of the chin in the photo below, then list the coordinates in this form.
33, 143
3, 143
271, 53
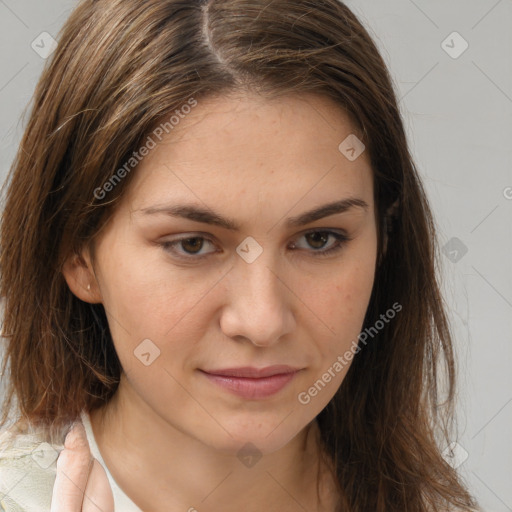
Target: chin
248, 444
267, 435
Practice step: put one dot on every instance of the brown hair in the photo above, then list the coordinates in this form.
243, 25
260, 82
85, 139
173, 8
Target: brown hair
123, 65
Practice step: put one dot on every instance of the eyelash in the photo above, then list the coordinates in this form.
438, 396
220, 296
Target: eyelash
341, 240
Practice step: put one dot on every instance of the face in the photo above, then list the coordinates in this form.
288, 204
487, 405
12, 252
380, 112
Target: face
250, 280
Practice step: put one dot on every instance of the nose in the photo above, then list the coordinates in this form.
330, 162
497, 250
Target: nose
259, 304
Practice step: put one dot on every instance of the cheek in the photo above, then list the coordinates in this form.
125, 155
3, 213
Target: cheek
340, 307
344, 298
146, 298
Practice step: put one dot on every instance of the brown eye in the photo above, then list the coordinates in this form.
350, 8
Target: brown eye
318, 239
192, 245
188, 248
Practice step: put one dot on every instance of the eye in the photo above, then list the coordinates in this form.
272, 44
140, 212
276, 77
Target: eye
189, 248
191, 245
318, 239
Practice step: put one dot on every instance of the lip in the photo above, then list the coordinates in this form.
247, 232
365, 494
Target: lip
251, 372
252, 383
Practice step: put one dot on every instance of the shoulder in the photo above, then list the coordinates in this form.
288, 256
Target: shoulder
28, 468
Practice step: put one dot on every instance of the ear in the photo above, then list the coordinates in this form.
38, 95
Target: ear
80, 277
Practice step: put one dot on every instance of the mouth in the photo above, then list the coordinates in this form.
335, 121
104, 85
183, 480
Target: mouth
252, 383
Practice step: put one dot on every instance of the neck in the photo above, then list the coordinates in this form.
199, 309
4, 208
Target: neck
165, 469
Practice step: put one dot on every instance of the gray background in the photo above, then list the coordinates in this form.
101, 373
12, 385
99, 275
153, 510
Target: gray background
458, 114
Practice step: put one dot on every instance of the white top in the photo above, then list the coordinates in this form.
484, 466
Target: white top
28, 470
121, 502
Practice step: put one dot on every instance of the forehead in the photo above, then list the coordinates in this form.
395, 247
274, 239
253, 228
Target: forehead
232, 148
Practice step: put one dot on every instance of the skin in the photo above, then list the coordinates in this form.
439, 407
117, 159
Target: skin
81, 482
259, 162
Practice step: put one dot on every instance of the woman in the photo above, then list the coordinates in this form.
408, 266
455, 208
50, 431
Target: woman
218, 266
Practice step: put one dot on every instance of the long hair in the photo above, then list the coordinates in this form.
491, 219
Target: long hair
120, 68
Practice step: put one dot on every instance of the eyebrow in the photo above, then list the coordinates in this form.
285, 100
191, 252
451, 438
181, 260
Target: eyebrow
207, 216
